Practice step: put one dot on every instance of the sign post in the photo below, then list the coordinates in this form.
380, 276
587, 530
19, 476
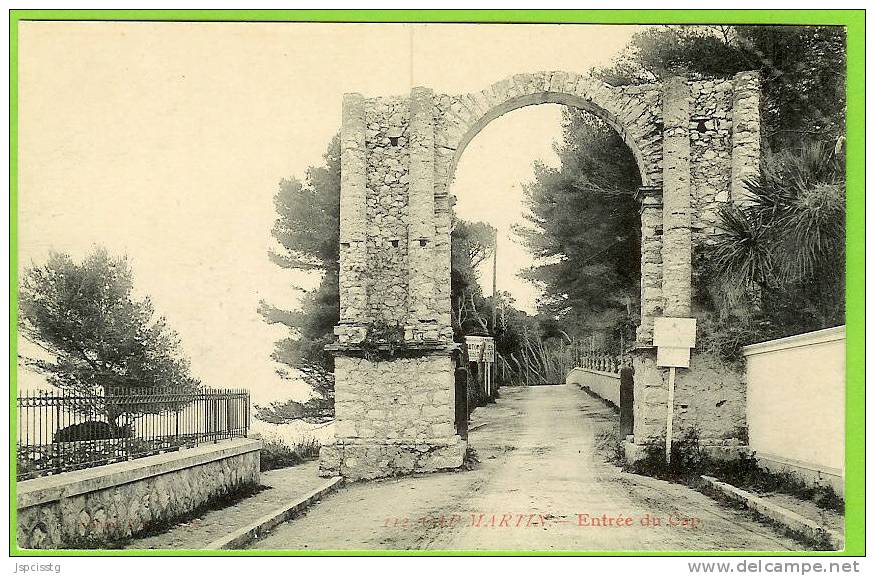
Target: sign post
481, 349
673, 337
669, 416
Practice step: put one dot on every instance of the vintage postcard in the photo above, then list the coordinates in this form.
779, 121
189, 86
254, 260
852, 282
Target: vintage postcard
363, 285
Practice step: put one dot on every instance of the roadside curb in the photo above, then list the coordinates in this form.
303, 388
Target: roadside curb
778, 514
243, 536
476, 426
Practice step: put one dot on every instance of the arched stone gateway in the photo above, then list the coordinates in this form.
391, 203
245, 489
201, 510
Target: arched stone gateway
694, 142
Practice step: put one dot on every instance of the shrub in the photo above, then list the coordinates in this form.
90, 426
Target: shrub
275, 453
776, 268
92, 430
608, 443
308, 448
689, 461
471, 459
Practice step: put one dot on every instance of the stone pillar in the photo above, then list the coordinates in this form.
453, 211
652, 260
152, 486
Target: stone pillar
650, 198
394, 414
394, 401
651, 397
353, 211
676, 238
442, 248
421, 214
745, 132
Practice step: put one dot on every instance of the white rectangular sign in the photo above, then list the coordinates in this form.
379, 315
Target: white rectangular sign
674, 332
670, 356
480, 348
673, 338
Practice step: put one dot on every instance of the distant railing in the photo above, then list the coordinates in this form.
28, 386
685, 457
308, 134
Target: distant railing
60, 431
601, 362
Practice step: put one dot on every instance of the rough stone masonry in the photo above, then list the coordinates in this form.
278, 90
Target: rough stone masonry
695, 141
97, 506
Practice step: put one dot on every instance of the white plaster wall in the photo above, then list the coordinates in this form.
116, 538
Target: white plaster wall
602, 384
796, 399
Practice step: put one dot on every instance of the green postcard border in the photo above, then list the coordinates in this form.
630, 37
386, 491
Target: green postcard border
854, 20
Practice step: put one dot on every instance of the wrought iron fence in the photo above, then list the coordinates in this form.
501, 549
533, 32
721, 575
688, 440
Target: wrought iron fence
60, 431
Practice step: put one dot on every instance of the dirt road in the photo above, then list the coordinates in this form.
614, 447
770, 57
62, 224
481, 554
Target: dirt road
540, 485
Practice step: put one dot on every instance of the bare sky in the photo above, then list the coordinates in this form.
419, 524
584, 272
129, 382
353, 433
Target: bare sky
166, 141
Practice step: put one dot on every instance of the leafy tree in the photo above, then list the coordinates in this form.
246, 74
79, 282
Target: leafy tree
98, 337
307, 231
772, 273
583, 228
471, 244
802, 69
587, 243
308, 217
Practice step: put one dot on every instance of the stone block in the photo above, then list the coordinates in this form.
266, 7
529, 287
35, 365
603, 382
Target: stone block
383, 459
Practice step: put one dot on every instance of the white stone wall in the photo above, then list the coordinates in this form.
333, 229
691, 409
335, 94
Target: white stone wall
603, 384
709, 399
796, 400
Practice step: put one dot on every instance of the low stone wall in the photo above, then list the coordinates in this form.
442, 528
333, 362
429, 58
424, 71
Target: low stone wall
709, 399
605, 385
93, 507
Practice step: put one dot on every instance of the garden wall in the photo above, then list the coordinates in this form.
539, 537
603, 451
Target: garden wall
94, 507
709, 400
796, 405
605, 385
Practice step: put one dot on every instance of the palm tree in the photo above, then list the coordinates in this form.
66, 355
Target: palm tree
786, 238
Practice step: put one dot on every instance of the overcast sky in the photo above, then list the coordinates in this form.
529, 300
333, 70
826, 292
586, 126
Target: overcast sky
166, 141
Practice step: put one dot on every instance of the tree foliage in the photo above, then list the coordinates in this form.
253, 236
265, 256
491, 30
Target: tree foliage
98, 337
307, 233
786, 241
308, 217
587, 243
803, 70
583, 227
771, 273
471, 243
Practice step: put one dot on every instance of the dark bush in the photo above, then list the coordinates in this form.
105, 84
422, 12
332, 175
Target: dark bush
277, 454
689, 462
92, 430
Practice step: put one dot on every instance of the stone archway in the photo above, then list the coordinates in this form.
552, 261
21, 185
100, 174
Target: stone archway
694, 142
